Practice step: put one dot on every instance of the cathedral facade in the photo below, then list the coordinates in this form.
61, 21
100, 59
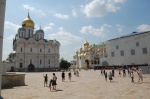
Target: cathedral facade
89, 56
31, 52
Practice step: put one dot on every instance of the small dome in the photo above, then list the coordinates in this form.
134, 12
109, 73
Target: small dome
86, 44
21, 29
16, 35
40, 31
28, 22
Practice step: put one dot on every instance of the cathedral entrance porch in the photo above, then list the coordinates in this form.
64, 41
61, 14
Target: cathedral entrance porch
31, 68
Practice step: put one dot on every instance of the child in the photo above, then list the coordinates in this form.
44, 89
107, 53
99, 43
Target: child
45, 80
50, 83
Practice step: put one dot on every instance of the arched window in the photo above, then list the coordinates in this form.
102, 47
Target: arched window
21, 49
29, 33
21, 65
40, 50
49, 61
30, 49
30, 61
98, 61
92, 62
40, 61
95, 62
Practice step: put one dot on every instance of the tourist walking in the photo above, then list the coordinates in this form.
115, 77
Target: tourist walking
63, 76
69, 75
77, 73
113, 72
128, 71
132, 76
124, 72
106, 76
54, 81
140, 76
104, 71
119, 72
45, 80
110, 76
101, 71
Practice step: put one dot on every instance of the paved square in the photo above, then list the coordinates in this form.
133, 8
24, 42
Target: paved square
90, 85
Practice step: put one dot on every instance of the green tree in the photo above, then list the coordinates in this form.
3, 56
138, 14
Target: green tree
64, 64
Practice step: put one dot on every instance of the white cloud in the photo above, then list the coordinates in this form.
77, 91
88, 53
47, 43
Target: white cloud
101, 31
99, 8
119, 28
28, 7
74, 13
118, 1
64, 37
32, 9
10, 25
61, 16
49, 27
143, 27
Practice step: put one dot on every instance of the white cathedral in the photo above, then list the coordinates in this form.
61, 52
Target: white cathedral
31, 52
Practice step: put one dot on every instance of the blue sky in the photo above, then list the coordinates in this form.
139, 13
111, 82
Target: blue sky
71, 22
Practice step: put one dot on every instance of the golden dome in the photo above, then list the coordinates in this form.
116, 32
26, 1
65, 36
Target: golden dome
85, 54
86, 44
28, 22
81, 54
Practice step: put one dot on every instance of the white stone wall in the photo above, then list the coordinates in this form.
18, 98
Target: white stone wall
36, 51
126, 44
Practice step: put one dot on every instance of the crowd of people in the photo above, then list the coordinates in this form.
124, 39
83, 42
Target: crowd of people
131, 72
110, 75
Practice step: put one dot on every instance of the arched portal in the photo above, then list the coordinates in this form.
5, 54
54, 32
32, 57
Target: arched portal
31, 67
105, 63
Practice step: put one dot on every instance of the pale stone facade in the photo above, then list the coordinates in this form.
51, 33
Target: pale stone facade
132, 49
31, 52
89, 56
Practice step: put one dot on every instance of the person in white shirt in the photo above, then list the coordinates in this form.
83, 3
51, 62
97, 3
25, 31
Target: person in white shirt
132, 76
140, 76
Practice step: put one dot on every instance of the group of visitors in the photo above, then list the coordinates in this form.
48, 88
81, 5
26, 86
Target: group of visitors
52, 81
130, 73
110, 75
63, 76
139, 73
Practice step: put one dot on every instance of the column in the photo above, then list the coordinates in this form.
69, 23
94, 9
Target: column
2, 18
